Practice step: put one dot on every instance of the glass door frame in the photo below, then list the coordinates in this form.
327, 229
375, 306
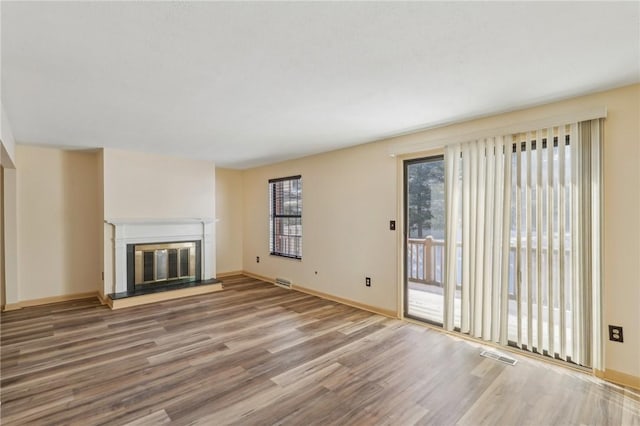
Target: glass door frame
405, 235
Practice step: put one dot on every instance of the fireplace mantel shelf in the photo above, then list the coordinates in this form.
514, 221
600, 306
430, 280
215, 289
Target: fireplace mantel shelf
156, 221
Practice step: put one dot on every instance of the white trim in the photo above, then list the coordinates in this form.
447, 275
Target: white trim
427, 144
153, 221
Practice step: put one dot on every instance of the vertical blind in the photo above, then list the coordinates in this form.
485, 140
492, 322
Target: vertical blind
523, 240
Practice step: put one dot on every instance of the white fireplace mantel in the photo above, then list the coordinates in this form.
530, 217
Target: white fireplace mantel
140, 231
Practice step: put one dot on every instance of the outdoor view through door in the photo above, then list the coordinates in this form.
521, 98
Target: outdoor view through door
425, 232
503, 240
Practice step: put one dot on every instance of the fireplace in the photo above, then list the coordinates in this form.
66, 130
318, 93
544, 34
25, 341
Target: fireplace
165, 244
156, 264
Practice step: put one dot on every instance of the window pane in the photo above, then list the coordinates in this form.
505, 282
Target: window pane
425, 212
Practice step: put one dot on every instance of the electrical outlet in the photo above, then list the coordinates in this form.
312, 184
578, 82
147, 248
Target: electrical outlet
257, 259
367, 282
392, 225
615, 333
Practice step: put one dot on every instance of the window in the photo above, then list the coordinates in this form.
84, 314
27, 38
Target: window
285, 214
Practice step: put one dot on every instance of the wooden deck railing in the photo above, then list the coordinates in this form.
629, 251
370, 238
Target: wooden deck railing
426, 257
425, 260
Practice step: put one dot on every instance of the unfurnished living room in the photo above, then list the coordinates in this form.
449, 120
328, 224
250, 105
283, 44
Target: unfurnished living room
320, 213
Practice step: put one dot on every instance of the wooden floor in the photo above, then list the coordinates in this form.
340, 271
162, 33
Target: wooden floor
259, 354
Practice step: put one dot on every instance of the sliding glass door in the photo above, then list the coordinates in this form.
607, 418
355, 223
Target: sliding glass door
502, 240
424, 238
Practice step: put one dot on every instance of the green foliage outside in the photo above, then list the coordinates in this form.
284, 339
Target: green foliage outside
426, 202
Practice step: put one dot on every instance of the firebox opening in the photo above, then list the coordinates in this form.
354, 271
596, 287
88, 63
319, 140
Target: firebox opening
156, 264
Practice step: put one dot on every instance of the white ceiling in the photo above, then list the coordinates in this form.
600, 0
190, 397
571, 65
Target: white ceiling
246, 84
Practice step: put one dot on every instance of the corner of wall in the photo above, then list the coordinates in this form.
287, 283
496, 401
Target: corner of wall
229, 220
8, 142
100, 229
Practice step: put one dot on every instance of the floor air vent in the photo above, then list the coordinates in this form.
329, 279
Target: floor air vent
498, 357
283, 283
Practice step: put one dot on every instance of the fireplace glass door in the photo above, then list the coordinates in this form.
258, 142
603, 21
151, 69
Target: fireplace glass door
160, 263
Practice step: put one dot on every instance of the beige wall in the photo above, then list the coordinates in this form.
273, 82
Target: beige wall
8, 218
149, 186
229, 208
101, 225
622, 228
10, 228
58, 217
142, 185
350, 195
63, 198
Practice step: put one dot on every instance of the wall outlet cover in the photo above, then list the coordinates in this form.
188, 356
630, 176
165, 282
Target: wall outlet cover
615, 333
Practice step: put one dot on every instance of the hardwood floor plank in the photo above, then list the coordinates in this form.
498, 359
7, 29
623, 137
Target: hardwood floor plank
278, 410
155, 418
256, 354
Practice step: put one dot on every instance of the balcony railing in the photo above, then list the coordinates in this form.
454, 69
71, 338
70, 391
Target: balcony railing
426, 261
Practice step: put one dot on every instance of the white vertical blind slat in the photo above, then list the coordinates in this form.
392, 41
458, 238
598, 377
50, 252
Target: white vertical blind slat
549, 233
480, 235
596, 241
529, 250
519, 277
561, 241
539, 302
499, 209
488, 278
466, 237
452, 192
575, 248
584, 141
506, 243
471, 242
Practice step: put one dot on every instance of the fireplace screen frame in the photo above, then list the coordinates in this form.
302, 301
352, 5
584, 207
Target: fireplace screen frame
139, 255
